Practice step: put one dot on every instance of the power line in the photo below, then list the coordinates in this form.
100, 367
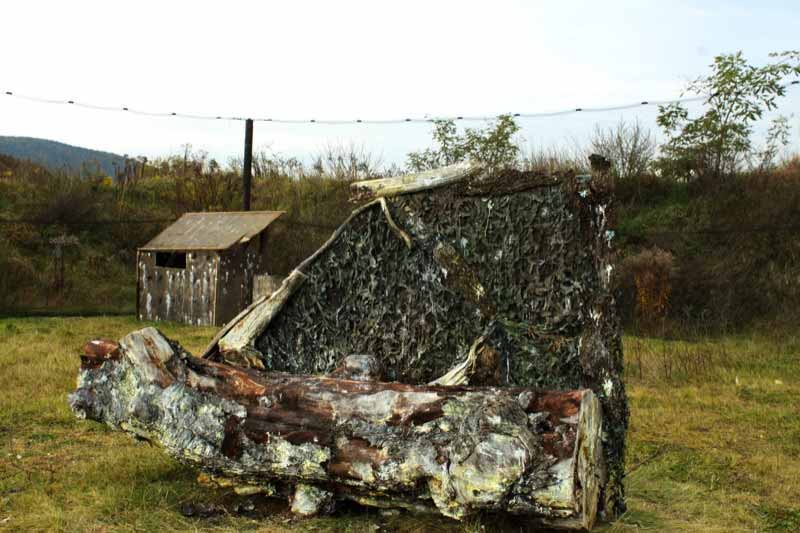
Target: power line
464, 118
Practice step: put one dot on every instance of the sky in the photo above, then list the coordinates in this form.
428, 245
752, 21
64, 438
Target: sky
360, 59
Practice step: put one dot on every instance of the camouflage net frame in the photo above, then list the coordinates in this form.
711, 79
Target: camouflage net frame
521, 259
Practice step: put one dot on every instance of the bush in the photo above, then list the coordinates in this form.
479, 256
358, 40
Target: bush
647, 276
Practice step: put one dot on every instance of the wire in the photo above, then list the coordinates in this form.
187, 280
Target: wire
461, 118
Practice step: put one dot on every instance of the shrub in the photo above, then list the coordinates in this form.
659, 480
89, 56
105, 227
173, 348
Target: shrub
649, 273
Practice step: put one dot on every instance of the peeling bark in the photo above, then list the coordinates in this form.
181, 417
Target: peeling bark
452, 450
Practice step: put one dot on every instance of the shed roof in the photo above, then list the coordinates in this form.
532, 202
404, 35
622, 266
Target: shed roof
212, 231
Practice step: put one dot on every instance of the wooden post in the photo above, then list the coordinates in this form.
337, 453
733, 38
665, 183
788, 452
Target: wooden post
247, 172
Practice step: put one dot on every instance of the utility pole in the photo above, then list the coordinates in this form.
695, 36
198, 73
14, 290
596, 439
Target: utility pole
247, 171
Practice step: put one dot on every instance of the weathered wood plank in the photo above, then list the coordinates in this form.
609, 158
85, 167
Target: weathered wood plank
408, 183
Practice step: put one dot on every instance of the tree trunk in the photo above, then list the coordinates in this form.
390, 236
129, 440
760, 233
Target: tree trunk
452, 450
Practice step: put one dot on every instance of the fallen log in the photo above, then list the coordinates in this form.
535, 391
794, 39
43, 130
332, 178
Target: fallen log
452, 450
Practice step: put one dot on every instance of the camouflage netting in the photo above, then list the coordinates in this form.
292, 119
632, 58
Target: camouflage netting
520, 258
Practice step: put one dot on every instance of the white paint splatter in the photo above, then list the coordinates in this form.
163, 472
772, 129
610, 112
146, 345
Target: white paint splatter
608, 386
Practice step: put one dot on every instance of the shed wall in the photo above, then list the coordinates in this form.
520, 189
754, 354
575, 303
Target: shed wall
237, 267
180, 294
265, 285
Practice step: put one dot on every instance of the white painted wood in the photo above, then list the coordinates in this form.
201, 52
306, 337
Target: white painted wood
408, 183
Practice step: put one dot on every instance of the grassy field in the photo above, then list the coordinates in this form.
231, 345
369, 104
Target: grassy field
714, 444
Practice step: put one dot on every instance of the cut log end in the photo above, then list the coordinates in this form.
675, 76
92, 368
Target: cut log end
452, 450
97, 351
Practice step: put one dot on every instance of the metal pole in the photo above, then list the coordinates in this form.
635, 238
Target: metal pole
247, 173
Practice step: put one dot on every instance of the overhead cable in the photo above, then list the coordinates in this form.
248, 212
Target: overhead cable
277, 120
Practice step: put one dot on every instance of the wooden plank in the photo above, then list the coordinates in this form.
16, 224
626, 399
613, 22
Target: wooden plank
419, 181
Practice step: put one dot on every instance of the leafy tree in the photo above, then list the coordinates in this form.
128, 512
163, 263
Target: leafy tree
778, 137
492, 146
715, 143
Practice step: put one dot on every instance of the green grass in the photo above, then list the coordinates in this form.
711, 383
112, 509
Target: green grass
714, 444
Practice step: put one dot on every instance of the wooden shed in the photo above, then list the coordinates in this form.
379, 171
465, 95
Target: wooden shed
201, 269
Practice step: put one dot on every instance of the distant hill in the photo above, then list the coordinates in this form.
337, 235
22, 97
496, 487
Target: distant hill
58, 156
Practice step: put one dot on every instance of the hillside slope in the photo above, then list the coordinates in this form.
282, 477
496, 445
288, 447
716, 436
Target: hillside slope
58, 156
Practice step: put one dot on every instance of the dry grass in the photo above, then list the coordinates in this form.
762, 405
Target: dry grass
705, 453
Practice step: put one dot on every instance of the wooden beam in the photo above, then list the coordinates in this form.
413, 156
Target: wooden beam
419, 181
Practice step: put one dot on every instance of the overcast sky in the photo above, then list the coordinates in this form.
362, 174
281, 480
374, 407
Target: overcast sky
350, 59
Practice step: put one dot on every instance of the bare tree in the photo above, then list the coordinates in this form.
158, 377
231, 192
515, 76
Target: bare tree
348, 162
630, 147
567, 156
